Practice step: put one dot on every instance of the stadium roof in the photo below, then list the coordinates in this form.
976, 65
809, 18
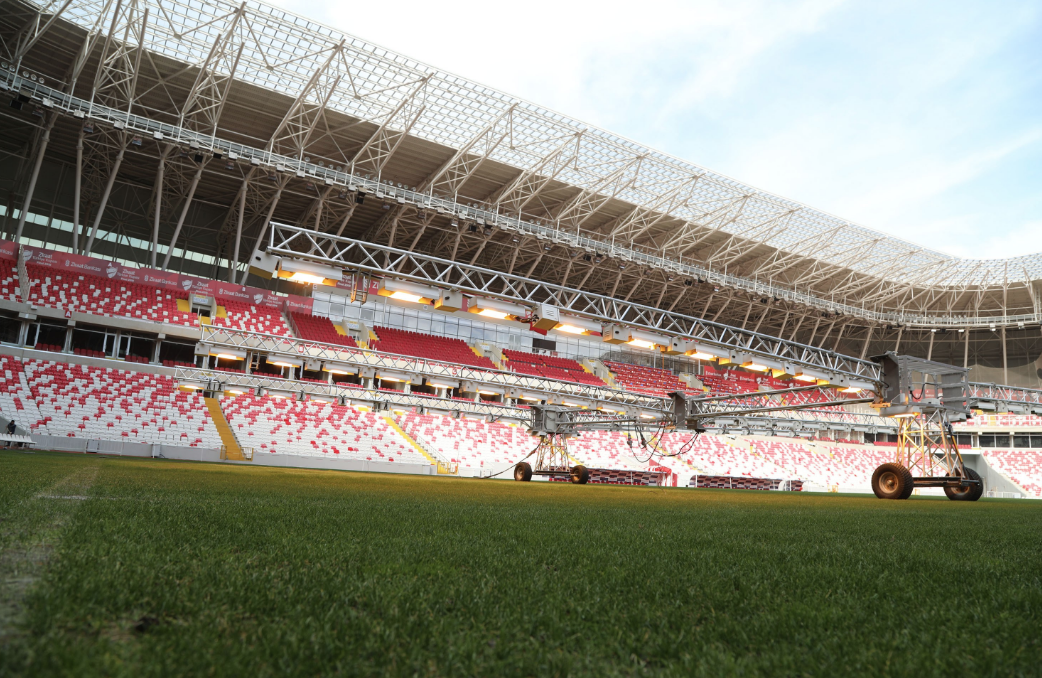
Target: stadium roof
578, 185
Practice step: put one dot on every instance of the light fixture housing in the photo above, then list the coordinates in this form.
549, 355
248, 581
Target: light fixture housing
570, 324
308, 272
407, 291
227, 353
339, 368
282, 361
493, 308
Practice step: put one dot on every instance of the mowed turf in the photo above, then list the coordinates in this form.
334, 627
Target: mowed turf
189, 569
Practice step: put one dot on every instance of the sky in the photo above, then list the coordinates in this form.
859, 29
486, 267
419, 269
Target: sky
921, 120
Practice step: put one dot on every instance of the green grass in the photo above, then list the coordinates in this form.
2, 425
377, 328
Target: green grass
258, 572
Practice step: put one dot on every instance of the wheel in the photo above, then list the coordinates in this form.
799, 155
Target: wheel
972, 493
892, 481
523, 472
911, 485
580, 474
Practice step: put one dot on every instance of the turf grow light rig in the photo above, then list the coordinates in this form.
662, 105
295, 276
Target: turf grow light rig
555, 424
924, 396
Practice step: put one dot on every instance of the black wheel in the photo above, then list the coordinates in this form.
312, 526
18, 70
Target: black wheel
892, 481
580, 474
970, 493
523, 472
910, 486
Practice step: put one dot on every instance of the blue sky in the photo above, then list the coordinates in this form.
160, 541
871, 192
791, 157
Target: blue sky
922, 120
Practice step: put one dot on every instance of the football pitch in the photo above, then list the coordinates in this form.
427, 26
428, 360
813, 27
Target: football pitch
137, 567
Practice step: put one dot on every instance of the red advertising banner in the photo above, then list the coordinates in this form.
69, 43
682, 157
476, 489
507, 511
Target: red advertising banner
75, 263
295, 304
8, 250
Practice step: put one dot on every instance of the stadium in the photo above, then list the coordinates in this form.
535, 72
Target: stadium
234, 235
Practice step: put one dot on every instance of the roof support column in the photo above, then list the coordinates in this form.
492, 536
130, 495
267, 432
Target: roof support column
233, 265
159, 204
264, 227
77, 185
105, 198
966, 349
184, 213
1005, 369
900, 333
35, 175
929, 351
868, 338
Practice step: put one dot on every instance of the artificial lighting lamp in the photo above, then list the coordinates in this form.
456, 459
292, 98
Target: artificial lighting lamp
499, 310
641, 343
406, 296
806, 378
309, 273
402, 290
575, 325
755, 366
903, 415
850, 389
235, 391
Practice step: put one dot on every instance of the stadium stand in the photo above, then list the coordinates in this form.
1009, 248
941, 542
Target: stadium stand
419, 345
1024, 467
312, 428
9, 287
101, 296
550, 367
720, 455
252, 318
16, 400
317, 328
607, 449
469, 442
651, 380
113, 404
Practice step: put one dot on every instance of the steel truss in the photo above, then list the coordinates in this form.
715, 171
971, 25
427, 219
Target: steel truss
356, 255
373, 363
216, 380
926, 445
684, 220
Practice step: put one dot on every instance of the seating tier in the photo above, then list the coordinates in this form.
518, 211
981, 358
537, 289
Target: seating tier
317, 328
550, 367
252, 318
314, 429
102, 296
419, 345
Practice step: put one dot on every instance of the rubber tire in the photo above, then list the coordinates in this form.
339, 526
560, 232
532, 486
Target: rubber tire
523, 472
966, 493
892, 481
580, 475
911, 485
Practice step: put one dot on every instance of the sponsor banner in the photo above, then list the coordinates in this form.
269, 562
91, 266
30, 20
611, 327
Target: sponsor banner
8, 250
294, 304
1002, 421
73, 263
